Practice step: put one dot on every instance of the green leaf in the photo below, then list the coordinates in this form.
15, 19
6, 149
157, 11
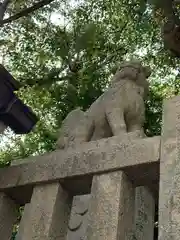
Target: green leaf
86, 37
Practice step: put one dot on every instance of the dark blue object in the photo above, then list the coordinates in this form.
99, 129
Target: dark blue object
8, 80
6, 96
13, 112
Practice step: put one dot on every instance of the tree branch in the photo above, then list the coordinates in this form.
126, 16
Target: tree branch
45, 82
26, 11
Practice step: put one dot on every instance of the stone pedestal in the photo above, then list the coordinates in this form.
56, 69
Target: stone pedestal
169, 196
144, 214
47, 214
111, 207
8, 216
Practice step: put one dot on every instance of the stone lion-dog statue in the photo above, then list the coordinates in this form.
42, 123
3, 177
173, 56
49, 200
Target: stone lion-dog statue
120, 109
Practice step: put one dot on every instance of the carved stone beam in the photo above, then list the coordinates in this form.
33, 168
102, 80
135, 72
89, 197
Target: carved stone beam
139, 158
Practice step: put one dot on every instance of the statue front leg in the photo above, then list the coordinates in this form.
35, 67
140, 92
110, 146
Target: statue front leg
136, 130
115, 118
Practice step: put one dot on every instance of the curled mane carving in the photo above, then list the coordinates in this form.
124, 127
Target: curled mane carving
133, 71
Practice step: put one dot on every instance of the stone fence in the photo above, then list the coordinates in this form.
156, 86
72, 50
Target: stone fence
127, 179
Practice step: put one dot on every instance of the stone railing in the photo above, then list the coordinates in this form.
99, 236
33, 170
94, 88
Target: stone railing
121, 173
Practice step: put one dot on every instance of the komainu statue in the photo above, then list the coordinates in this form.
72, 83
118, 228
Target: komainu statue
119, 110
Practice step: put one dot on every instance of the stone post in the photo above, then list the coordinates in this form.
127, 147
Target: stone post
169, 195
111, 207
24, 222
47, 215
144, 214
8, 216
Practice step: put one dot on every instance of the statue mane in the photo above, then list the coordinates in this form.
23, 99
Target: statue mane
131, 71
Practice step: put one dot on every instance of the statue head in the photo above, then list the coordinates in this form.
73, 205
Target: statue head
133, 71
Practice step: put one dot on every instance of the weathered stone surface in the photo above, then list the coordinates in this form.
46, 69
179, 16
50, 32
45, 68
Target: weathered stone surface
169, 196
144, 214
94, 157
80, 232
80, 204
8, 216
68, 125
75, 222
114, 112
78, 220
143, 217
111, 207
48, 213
